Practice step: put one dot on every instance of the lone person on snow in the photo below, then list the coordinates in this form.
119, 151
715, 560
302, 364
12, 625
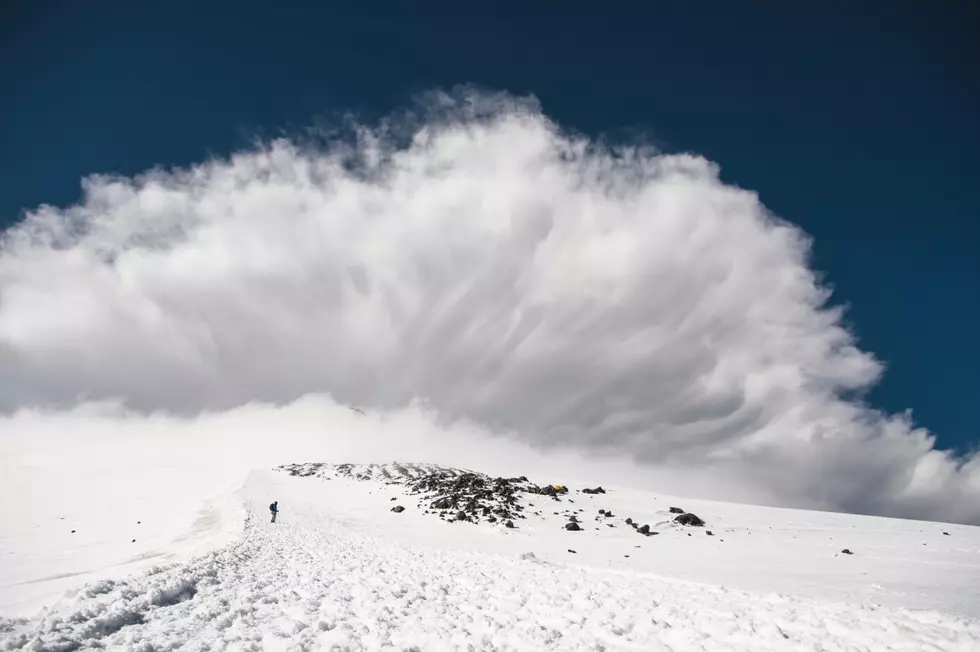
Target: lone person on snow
274, 508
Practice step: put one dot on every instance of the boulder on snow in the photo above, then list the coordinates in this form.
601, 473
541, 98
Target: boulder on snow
398, 509
845, 551
676, 510
510, 524
573, 527
689, 519
597, 490
643, 529
629, 521
460, 515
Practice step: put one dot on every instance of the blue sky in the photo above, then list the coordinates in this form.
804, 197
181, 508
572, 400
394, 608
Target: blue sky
858, 124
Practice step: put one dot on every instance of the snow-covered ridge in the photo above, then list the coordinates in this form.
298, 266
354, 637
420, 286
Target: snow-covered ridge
340, 570
395, 472
463, 495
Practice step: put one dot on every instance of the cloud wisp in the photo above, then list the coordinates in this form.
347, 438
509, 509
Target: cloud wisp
481, 259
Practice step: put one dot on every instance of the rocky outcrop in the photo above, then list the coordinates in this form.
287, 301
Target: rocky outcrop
689, 519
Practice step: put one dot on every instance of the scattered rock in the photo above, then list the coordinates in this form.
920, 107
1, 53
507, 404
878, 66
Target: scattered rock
73, 531
393, 499
573, 527
134, 540
510, 524
644, 529
461, 515
946, 533
629, 521
625, 555
571, 551
845, 551
602, 511
597, 490
398, 509
573, 518
708, 532
689, 519
676, 510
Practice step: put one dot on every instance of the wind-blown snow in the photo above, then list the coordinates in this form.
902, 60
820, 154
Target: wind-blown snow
340, 571
505, 272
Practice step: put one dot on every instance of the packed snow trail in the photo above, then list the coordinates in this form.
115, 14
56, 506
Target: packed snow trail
310, 582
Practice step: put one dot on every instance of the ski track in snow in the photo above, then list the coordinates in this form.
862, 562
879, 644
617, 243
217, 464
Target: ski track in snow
315, 582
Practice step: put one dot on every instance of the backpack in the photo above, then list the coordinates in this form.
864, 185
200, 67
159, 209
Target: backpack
272, 507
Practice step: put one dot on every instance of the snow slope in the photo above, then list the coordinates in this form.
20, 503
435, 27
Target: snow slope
339, 570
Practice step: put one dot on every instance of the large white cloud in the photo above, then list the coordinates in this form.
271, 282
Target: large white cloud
613, 300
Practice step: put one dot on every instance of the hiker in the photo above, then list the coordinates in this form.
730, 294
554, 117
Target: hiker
274, 508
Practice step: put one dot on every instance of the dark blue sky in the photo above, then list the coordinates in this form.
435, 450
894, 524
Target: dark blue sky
860, 125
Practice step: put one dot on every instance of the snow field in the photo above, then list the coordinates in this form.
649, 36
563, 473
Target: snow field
316, 580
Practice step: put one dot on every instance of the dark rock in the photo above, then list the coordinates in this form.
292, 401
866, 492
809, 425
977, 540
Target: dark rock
510, 524
573, 518
689, 519
460, 515
571, 551
708, 532
573, 527
134, 540
676, 510
602, 511
644, 529
629, 521
393, 499
845, 551
625, 555
946, 533
398, 509
73, 531
597, 490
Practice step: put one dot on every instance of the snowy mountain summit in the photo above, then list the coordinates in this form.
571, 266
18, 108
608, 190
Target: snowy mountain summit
470, 496
422, 557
